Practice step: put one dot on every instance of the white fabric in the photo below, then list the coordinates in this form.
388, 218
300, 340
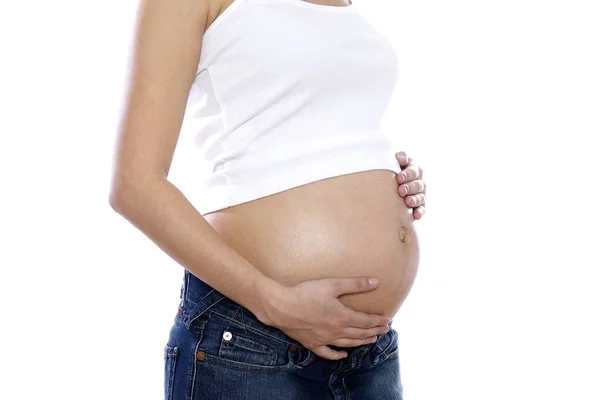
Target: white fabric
287, 93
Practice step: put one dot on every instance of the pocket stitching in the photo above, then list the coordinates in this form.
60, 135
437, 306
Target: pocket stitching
252, 328
237, 342
171, 354
240, 366
217, 359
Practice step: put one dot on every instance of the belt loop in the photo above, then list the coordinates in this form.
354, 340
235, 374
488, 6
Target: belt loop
211, 298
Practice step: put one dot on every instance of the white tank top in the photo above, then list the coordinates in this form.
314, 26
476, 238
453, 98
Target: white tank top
287, 93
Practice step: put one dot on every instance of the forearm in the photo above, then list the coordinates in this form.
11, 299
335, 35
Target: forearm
163, 213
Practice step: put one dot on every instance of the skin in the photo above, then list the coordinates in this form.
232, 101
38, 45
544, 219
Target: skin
411, 185
166, 53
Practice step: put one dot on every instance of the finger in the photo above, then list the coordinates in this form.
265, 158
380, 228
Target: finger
411, 162
359, 319
328, 353
419, 212
402, 158
415, 200
412, 187
410, 173
357, 333
342, 286
353, 342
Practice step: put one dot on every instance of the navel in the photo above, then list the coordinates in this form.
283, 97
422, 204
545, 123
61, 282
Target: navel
404, 235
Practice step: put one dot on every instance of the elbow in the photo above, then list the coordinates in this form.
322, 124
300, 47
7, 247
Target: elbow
127, 189
123, 202
115, 200
119, 196
125, 194
121, 190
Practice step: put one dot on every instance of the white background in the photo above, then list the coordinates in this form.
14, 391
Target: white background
498, 101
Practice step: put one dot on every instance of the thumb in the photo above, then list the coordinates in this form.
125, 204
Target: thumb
328, 353
342, 286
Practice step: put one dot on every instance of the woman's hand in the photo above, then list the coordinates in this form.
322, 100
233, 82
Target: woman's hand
411, 184
312, 313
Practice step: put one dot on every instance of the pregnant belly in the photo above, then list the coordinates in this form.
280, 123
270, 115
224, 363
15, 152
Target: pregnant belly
346, 226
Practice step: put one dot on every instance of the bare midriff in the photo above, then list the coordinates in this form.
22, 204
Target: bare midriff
346, 226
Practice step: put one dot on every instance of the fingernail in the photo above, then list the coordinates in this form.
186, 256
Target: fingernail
405, 188
402, 177
373, 281
413, 202
401, 157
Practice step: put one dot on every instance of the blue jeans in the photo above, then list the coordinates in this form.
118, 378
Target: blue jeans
218, 349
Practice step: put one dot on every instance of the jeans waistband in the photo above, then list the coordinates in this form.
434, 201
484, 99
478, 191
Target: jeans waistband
198, 298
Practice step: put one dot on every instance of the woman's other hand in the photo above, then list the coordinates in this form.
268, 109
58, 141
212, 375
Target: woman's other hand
411, 184
312, 313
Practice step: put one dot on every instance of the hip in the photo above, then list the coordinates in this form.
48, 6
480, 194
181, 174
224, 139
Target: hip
219, 349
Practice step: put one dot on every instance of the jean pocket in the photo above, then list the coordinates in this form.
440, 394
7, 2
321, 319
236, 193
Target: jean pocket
231, 343
170, 361
386, 347
246, 348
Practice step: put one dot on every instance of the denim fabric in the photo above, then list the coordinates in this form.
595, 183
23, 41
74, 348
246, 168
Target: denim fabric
218, 349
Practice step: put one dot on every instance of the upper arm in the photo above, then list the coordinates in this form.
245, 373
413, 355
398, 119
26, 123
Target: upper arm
164, 58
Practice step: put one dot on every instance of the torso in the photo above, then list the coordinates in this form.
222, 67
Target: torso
350, 225
345, 226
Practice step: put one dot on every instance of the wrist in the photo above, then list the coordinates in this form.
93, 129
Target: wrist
269, 300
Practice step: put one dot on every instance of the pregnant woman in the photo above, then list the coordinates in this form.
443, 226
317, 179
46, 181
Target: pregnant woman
299, 246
